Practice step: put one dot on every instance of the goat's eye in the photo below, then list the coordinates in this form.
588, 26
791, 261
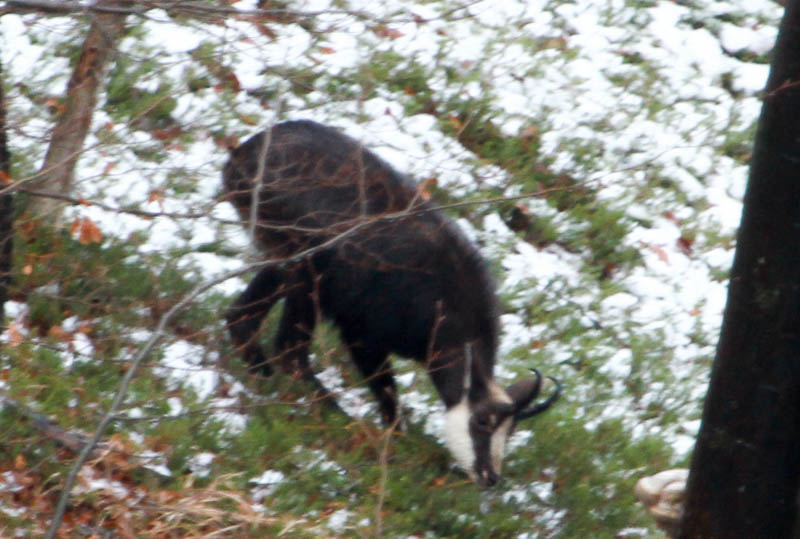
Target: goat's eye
482, 422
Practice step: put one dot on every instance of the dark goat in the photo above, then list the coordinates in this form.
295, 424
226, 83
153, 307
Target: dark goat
359, 245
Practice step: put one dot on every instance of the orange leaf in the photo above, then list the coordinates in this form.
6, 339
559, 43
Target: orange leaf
60, 333
166, 496
92, 232
327, 50
20, 462
227, 143
455, 121
156, 195
14, 336
167, 134
662, 254
87, 231
54, 105
5, 179
28, 269
423, 188
109, 166
530, 131
438, 482
385, 31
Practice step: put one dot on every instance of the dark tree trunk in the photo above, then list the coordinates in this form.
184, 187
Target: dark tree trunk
6, 205
745, 473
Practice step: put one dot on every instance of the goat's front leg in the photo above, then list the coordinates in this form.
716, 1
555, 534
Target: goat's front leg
293, 341
244, 316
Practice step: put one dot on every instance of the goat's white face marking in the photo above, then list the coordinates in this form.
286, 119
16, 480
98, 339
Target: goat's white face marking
499, 394
461, 445
457, 437
497, 445
500, 436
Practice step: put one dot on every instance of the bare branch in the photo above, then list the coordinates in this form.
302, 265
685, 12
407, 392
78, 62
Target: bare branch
114, 209
70, 439
193, 9
144, 353
56, 8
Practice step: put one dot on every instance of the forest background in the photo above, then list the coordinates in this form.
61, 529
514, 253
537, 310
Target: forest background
596, 151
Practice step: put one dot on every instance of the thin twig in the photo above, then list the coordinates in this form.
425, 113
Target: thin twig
50, 428
144, 353
384, 464
258, 180
50, 7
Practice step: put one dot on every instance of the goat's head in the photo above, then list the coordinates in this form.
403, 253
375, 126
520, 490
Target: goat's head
478, 427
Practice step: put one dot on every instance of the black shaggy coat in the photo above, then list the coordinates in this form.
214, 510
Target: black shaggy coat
361, 246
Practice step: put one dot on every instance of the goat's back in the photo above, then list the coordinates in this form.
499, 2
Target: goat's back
315, 183
397, 269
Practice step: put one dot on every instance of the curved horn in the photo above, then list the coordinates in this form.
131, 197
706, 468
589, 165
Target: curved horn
542, 406
524, 391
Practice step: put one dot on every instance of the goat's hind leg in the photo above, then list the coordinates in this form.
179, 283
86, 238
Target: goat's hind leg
377, 371
293, 340
245, 315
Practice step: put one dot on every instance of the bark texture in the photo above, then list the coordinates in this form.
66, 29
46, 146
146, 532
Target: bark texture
6, 206
745, 473
72, 126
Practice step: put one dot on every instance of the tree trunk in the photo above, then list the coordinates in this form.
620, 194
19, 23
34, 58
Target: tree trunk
69, 133
6, 206
745, 474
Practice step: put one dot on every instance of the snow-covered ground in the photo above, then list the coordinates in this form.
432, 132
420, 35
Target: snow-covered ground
651, 88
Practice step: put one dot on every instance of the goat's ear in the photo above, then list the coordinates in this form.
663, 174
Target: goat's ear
475, 375
524, 391
504, 409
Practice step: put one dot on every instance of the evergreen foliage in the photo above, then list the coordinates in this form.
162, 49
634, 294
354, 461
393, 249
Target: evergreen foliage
594, 166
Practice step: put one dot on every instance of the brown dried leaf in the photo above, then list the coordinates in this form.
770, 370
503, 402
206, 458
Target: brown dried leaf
60, 333
89, 233
670, 216
54, 105
685, 245
662, 254
75, 226
156, 195
423, 188
438, 482
14, 335
530, 132
385, 31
